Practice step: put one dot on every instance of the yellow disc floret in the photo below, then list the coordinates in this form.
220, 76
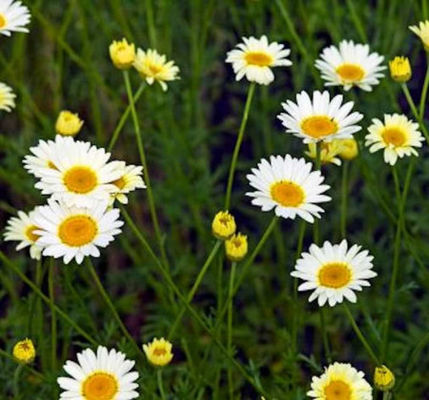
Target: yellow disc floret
77, 230
383, 378
24, 351
400, 69
68, 124
122, 54
100, 386
287, 194
223, 225
158, 352
236, 247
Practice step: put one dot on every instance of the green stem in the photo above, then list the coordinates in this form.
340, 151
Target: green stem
46, 299
229, 329
124, 117
191, 310
51, 288
395, 267
325, 335
195, 287
145, 169
27, 367
360, 335
414, 111
356, 20
160, 384
238, 145
422, 106
112, 308
344, 195
16, 375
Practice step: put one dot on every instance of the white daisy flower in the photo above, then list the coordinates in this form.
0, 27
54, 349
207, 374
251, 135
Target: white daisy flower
130, 180
7, 98
320, 118
13, 17
153, 66
78, 173
23, 229
255, 57
334, 272
340, 381
105, 375
289, 186
75, 232
42, 157
350, 65
397, 136
422, 31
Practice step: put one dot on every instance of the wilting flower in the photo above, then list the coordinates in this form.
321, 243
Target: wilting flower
236, 247
22, 229
422, 31
340, 381
158, 352
75, 232
77, 173
153, 66
255, 57
350, 65
7, 98
105, 375
24, 351
320, 118
122, 54
333, 272
68, 124
349, 148
397, 136
223, 225
384, 379
130, 180
400, 69
328, 152
289, 186
13, 17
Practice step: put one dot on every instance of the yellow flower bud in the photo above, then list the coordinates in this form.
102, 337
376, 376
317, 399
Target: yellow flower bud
236, 247
383, 378
68, 124
400, 69
122, 54
348, 149
158, 352
223, 225
328, 152
24, 351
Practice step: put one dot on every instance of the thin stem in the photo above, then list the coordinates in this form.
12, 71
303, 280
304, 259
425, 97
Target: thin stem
195, 286
160, 384
16, 376
325, 335
112, 308
414, 111
124, 117
395, 267
344, 196
46, 299
424, 92
238, 145
182, 298
360, 335
51, 288
26, 366
145, 169
229, 329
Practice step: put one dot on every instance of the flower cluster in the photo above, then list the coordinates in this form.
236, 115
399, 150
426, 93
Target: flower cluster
82, 184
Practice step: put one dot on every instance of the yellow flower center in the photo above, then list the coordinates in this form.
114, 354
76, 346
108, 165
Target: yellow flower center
77, 230
319, 126
80, 179
100, 386
32, 237
350, 72
288, 194
155, 69
2, 21
334, 275
159, 351
394, 136
258, 58
337, 390
120, 183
